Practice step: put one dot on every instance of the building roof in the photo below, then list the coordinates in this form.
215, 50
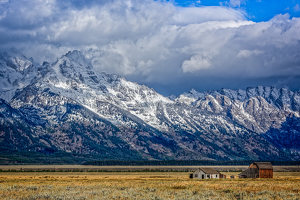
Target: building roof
209, 170
263, 165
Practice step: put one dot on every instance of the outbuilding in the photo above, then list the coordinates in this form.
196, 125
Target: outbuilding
258, 170
205, 173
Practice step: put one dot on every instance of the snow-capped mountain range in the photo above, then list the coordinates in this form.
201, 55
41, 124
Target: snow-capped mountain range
67, 106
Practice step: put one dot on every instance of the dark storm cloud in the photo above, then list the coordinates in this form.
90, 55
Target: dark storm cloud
157, 43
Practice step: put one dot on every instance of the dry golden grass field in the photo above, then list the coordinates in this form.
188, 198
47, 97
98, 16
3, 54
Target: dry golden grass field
143, 185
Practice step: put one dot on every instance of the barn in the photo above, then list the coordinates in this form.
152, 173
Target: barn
205, 173
258, 170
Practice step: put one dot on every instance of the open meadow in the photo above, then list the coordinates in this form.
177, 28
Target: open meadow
143, 185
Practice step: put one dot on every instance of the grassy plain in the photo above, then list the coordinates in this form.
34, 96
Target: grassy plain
143, 185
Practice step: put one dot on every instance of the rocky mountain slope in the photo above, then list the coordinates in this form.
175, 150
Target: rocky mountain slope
67, 106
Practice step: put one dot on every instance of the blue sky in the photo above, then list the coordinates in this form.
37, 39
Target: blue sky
172, 46
257, 10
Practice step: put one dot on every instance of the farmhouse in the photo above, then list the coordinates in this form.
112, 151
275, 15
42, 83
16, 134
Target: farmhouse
258, 170
205, 173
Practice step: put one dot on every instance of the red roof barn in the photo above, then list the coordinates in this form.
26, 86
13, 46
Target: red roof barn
258, 170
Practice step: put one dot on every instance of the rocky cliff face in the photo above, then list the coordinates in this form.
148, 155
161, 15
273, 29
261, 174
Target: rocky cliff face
67, 106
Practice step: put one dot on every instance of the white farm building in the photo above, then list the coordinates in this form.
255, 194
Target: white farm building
205, 173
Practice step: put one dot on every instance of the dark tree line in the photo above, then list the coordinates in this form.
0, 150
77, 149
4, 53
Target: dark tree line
180, 162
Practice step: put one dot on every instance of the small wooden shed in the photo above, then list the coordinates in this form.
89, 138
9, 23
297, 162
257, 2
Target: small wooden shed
205, 173
258, 170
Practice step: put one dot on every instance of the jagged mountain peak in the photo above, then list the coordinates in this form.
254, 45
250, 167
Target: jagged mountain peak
72, 76
72, 107
79, 62
75, 65
73, 60
16, 72
77, 57
279, 97
15, 61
